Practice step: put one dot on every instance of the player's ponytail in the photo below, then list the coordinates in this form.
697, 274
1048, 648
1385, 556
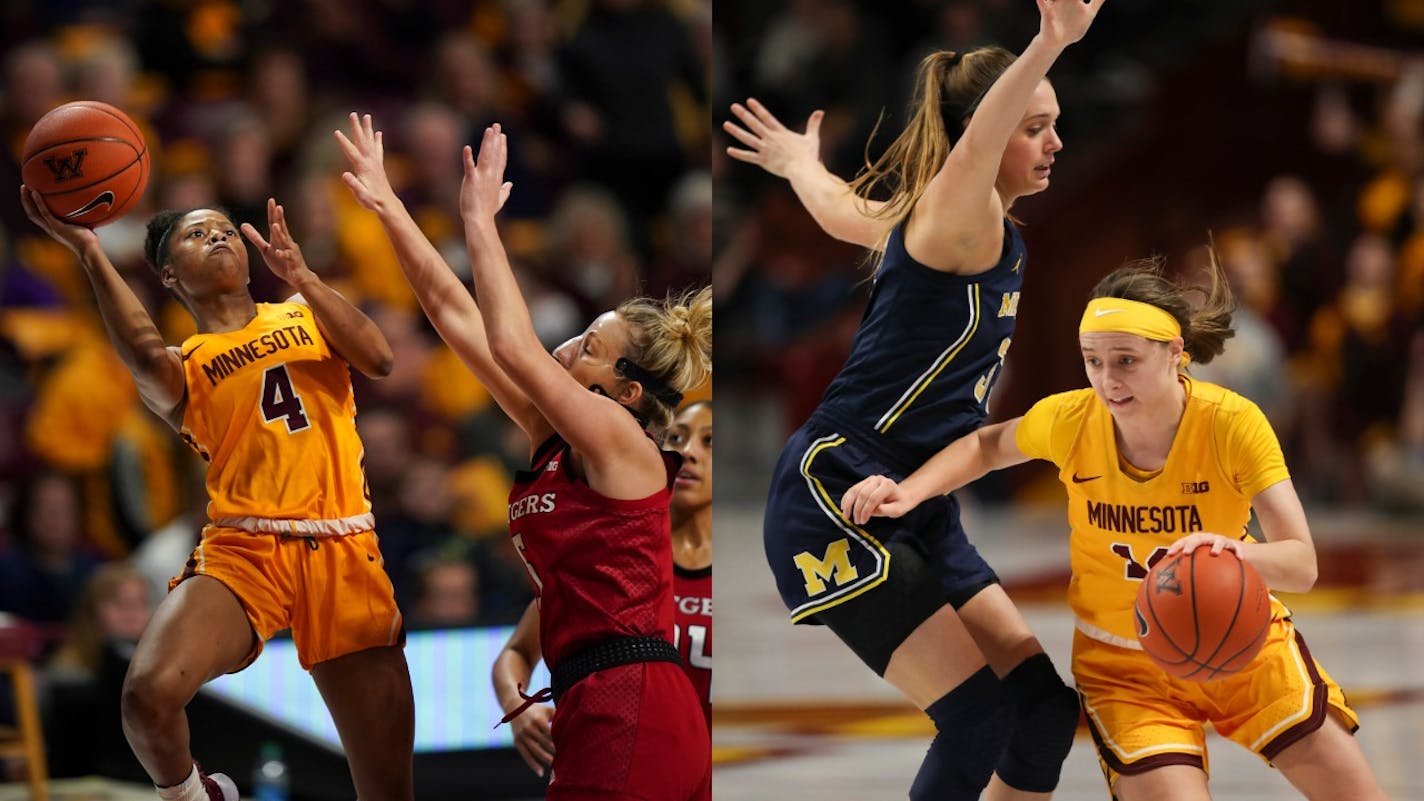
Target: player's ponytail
670, 342
948, 88
1205, 325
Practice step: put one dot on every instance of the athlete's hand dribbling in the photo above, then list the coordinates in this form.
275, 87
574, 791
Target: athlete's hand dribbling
534, 737
773, 146
75, 237
875, 496
1200, 539
1063, 22
282, 255
483, 189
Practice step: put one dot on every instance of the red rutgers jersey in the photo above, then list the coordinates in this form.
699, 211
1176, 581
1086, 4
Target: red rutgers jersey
692, 596
601, 567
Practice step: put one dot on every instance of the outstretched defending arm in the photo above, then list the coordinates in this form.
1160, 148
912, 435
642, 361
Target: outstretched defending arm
797, 158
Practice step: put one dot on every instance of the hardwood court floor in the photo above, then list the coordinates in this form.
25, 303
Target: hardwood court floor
796, 716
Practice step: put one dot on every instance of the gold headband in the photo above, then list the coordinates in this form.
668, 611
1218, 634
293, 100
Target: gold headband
1119, 315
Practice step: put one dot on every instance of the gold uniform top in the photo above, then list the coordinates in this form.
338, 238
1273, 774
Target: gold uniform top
270, 408
1123, 519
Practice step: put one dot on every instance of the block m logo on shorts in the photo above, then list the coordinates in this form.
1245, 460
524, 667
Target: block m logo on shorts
835, 567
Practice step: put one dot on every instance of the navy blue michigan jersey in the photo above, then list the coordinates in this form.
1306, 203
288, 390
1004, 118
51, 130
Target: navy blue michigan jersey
926, 356
928, 350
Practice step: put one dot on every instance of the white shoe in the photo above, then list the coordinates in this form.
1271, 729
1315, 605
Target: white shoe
219, 787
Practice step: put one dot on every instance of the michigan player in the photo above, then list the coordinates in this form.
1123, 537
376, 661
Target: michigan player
590, 516
691, 435
912, 598
1156, 463
263, 393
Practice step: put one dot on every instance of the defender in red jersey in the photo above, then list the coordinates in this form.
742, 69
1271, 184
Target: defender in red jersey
590, 517
691, 435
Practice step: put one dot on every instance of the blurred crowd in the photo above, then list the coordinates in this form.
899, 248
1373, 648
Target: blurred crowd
1292, 134
606, 104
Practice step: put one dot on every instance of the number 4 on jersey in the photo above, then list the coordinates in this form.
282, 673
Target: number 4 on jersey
280, 401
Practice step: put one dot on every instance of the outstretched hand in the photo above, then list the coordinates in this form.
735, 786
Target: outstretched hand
875, 496
366, 152
772, 146
74, 237
483, 190
1063, 22
282, 255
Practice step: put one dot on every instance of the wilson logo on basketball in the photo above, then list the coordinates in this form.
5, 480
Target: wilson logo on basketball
71, 166
1167, 580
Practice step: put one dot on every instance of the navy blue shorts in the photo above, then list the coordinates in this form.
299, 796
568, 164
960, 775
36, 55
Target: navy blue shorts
821, 559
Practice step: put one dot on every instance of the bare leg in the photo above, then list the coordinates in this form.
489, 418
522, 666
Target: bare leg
937, 657
999, 629
369, 696
1328, 764
199, 632
1167, 783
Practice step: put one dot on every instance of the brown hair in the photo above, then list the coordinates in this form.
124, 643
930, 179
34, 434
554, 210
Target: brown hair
948, 89
1205, 326
672, 340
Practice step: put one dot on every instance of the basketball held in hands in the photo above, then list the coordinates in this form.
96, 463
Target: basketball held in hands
1201, 616
87, 161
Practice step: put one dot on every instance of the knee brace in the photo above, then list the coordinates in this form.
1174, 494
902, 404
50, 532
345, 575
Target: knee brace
973, 724
1045, 718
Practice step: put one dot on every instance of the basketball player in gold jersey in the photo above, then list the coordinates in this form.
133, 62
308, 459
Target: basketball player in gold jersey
263, 393
1155, 463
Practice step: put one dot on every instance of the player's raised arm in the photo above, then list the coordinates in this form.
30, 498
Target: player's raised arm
451, 309
797, 157
622, 461
156, 368
351, 333
961, 207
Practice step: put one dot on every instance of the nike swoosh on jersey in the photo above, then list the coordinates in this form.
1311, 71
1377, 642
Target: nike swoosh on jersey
1102, 312
1080, 480
193, 350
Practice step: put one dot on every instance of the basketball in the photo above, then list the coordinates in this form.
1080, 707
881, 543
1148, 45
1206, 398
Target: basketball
1201, 616
87, 161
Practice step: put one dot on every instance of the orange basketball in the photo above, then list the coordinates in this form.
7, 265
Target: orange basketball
88, 162
1201, 616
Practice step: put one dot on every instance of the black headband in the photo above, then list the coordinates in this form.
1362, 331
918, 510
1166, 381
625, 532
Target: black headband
650, 382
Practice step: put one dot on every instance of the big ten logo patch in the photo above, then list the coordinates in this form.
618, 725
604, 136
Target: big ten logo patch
1196, 487
835, 567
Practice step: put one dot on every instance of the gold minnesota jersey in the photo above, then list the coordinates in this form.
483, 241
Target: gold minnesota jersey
270, 408
1224, 453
